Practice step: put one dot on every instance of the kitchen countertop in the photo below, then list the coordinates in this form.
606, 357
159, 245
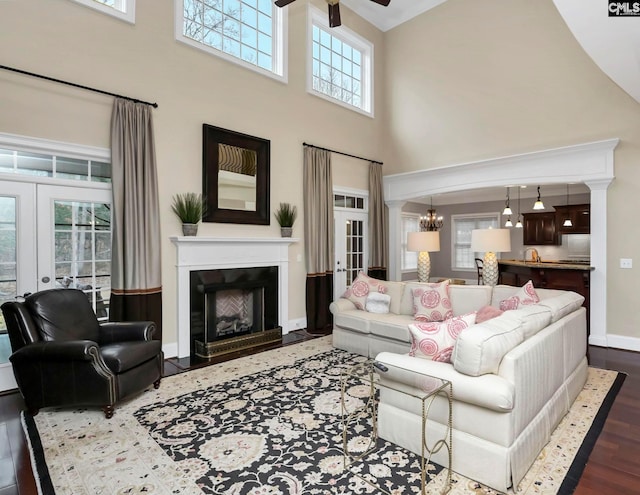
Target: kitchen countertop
563, 265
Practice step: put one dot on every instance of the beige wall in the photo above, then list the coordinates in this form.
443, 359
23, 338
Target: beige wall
65, 40
471, 80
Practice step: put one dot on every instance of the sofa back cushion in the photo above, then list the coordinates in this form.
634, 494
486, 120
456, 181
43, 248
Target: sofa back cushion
395, 290
561, 304
534, 318
468, 298
479, 349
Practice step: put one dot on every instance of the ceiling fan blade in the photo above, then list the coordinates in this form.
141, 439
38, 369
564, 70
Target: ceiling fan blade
283, 3
384, 3
334, 15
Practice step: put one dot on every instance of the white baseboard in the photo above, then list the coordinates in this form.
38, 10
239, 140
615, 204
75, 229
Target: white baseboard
297, 324
170, 350
623, 342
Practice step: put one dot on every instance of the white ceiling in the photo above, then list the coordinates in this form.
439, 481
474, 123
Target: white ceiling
397, 12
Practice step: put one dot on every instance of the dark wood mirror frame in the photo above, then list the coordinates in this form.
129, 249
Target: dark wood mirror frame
211, 138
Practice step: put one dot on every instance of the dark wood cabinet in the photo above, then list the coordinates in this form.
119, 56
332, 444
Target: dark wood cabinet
580, 216
539, 229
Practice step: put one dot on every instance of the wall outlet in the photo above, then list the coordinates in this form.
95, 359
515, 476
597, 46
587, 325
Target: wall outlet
626, 263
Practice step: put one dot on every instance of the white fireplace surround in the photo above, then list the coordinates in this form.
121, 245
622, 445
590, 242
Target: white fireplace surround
216, 253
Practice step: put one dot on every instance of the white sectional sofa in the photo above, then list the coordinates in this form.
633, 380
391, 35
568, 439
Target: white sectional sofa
514, 376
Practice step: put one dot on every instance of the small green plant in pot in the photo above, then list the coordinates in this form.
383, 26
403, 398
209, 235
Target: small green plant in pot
189, 208
286, 215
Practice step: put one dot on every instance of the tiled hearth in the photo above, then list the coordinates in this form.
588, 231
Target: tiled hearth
215, 253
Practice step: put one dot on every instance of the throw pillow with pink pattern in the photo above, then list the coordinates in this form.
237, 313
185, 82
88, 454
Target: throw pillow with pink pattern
361, 287
431, 302
435, 340
524, 297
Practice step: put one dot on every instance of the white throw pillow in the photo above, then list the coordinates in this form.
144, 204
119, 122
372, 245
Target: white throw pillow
378, 303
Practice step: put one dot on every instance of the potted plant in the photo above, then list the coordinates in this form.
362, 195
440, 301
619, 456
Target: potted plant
286, 215
189, 207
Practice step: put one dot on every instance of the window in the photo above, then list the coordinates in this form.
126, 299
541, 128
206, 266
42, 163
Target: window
341, 64
409, 259
13, 161
122, 9
251, 33
462, 258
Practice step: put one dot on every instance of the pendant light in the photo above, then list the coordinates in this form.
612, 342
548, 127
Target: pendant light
507, 210
538, 205
519, 222
567, 221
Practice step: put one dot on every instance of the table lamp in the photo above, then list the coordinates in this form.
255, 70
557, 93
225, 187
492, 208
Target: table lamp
423, 243
490, 241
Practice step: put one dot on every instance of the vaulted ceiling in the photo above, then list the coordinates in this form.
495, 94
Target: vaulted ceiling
612, 42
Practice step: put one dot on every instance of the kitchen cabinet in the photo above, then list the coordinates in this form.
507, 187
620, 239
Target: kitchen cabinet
539, 229
580, 216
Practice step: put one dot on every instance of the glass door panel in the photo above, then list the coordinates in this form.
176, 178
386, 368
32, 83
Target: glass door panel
350, 248
79, 233
17, 255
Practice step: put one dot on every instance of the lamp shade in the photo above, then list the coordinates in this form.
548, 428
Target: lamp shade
491, 240
423, 241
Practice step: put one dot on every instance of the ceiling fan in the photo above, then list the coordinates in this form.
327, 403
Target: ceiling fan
334, 9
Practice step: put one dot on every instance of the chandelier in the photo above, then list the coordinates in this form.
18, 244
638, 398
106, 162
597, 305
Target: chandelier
431, 222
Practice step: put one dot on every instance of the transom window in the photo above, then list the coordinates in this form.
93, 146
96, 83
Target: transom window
13, 161
122, 9
341, 64
462, 258
248, 32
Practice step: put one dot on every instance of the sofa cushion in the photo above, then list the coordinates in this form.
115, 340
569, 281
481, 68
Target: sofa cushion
431, 302
562, 304
390, 326
435, 340
480, 349
377, 303
395, 291
534, 318
525, 296
468, 298
354, 319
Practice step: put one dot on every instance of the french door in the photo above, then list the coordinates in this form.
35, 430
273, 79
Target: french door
52, 236
351, 248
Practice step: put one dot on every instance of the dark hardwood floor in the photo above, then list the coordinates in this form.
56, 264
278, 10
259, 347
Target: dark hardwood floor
613, 467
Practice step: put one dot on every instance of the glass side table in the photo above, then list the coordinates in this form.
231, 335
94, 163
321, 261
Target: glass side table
367, 374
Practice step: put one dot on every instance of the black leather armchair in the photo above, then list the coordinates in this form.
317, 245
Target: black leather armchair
62, 355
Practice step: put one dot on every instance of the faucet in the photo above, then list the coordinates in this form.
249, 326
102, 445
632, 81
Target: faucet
534, 255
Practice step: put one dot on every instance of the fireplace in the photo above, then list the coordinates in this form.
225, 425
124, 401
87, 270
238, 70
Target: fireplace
232, 309
204, 254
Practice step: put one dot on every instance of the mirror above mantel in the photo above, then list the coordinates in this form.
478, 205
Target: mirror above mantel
235, 176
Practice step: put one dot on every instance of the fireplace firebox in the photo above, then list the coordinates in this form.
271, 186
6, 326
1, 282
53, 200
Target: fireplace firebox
233, 309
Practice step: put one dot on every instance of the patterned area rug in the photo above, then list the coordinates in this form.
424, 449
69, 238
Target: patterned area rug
268, 424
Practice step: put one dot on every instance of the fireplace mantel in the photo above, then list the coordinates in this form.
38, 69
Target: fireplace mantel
213, 253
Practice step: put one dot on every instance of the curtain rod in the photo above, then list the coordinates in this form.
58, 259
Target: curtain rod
47, 78
341, 153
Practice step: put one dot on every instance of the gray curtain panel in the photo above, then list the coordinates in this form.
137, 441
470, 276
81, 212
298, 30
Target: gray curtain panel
377, 224
318, 238
136, 282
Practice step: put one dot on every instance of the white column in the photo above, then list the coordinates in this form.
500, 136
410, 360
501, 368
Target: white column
598, 281
395, 238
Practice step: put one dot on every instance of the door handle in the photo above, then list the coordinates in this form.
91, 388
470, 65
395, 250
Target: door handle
45, 280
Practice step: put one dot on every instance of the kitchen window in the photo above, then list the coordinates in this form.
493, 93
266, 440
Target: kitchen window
408, 259
462, 258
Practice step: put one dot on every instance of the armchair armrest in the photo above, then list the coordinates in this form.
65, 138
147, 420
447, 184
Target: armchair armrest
73, 350
124, 331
